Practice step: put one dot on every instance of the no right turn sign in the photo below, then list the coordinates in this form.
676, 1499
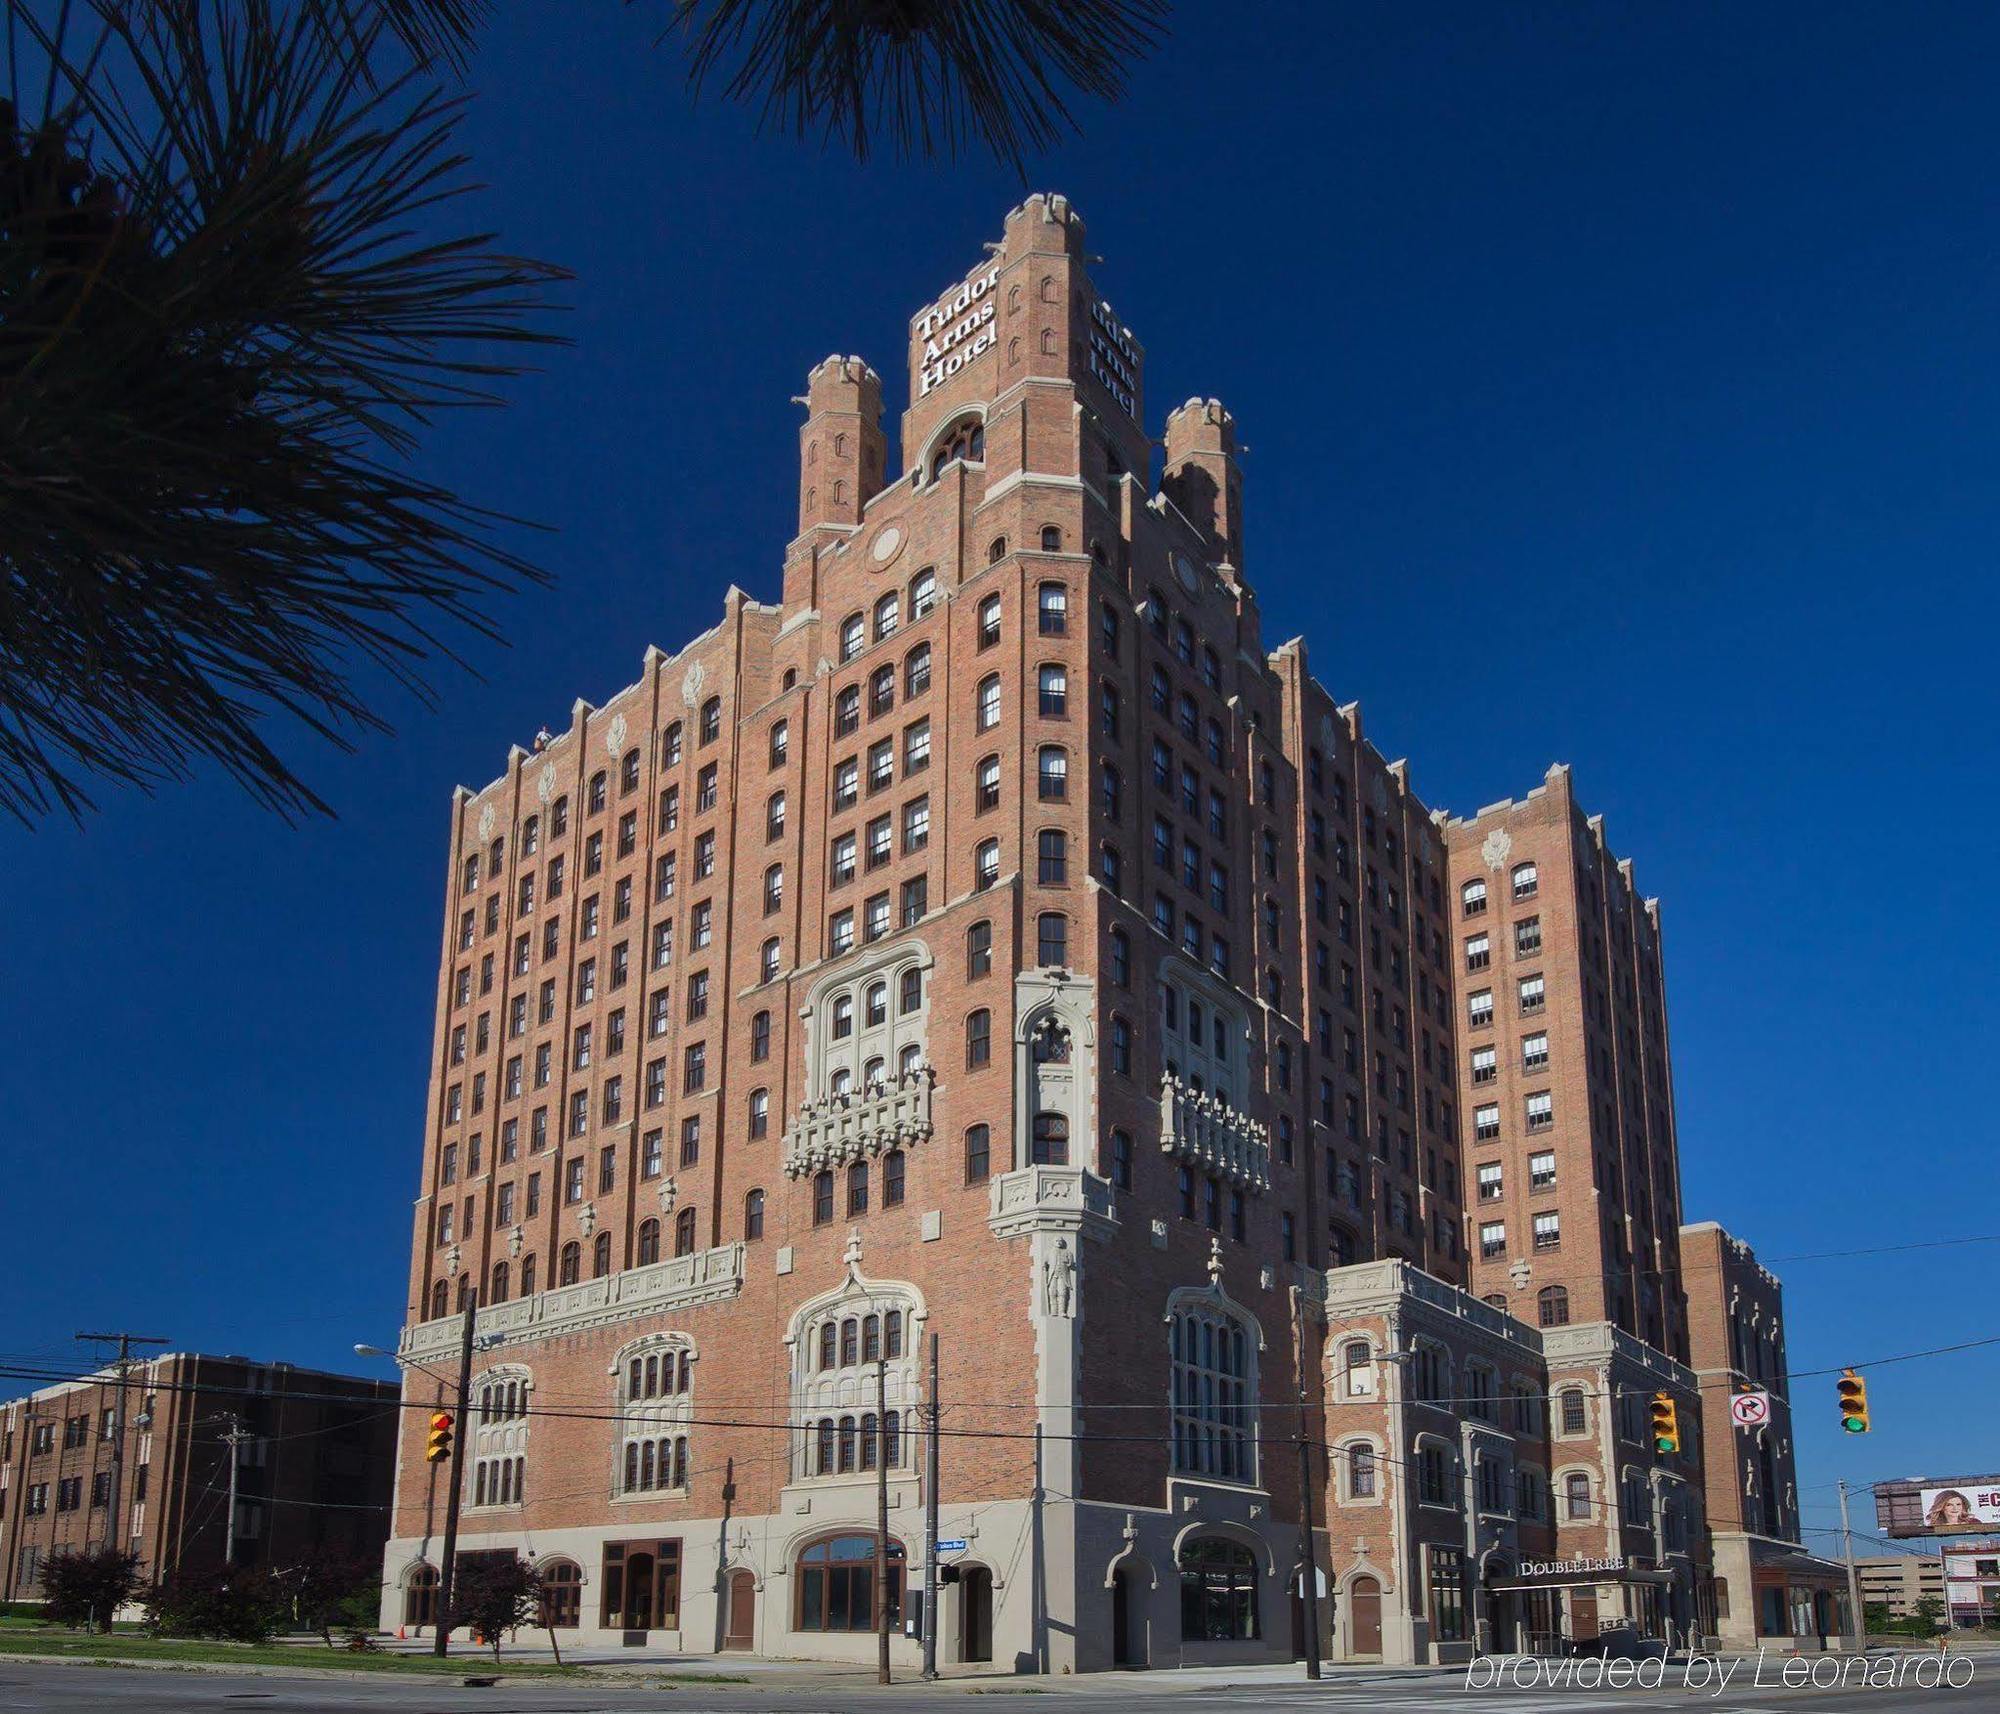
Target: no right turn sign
1751, 1410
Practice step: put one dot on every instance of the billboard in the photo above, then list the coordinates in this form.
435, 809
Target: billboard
1937, 1505
1965, 1507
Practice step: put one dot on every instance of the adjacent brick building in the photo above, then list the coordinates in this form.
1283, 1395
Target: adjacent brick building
315, 1464
993, 938
1766, 1583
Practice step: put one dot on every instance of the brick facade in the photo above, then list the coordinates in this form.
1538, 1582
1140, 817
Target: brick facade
314, 1472
993, 940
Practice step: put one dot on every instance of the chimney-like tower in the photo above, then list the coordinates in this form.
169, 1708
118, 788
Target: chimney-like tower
1202, 477
842, 454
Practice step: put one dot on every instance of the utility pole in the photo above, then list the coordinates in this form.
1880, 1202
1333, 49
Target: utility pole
455, 1493
1857, 1628
931, 1519
233, 1437
881, 1519
1308, 1562
114, 1527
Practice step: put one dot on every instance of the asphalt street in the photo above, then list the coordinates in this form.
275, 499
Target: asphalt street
28, 1685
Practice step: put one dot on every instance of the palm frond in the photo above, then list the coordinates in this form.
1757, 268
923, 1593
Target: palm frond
225, 318
927, 76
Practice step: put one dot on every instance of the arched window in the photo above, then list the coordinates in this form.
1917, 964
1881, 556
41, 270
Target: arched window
985, 865
1576, 1495
978, 1038
996, 550
711, 719
570, 1267
1361, 1471
857, 1188
562, 1595
836, 1578
1052, 773
979, 949
684, 1232
1052, 857
1052, 687
753, 1216
923, 594
1213, 1403
670, 746
917, 675
1051, 1139
1052, 606
1051, 538
1551, 1306
420, 1593
822, 1197
986, 785
888, 612
1218, 1592
853, 636
774, 816
527, 1276
600, 1256
1052, 940
1575, 1419
966, 439
989, 703
440, 1300
649, 1242
499, 1291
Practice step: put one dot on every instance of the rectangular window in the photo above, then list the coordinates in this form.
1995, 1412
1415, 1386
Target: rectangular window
1479, 1008
1491, 1188
1493, 1239
1548, 1231
1447, 1595
1534, 1051
1542, 1171
1534, 994
1541, 1111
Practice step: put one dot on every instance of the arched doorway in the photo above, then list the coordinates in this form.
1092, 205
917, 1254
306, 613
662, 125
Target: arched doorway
742, 1632
1364, 1621
975, 1613
420, 1596
1128, 1620
562, 1594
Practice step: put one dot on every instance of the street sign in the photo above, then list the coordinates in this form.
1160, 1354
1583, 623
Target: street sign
1751, 1410
957, 1544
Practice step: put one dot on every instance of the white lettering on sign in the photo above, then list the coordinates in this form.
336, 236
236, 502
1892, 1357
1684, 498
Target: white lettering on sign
1113, 358
1569, 1567
956, 329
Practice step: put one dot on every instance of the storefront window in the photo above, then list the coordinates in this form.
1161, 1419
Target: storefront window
1218, 1592
837, 1584
1447, 1595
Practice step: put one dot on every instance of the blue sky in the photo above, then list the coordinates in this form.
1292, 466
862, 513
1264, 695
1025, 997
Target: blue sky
1620, 384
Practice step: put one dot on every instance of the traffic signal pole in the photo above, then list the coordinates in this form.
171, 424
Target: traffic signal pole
1857, 1627
456, 1491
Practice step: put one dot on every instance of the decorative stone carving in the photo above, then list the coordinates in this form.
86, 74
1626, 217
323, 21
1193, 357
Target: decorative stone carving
835, 1129
516, 1237
1059, 1281
887, 544
586, 1219
545, 787
1208, 1133
668, 1193
614, 737
1498, 847
486, 821
691, 683
1215, 1263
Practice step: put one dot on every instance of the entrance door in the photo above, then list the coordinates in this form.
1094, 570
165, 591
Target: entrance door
638, 1597
1364, 1606
1583, 1614
975, 1613
742, 1633
1128, 1627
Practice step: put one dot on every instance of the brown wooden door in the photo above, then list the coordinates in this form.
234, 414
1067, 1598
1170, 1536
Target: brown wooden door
742, 1611
1364, 1615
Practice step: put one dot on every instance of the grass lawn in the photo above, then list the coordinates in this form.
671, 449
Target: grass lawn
29, 1637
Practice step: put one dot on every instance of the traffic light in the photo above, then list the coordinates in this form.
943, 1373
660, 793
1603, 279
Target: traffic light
1853, 1402
1666, 1423
438, 1447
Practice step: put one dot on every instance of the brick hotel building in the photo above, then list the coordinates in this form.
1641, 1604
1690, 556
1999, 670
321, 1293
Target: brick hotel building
992, 938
